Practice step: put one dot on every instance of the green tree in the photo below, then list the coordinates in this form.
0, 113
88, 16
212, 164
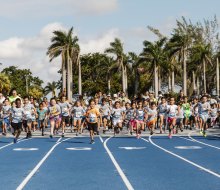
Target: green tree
50, 88
5, 83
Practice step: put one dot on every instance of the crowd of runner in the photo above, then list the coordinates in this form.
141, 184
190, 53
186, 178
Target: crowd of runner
102, 113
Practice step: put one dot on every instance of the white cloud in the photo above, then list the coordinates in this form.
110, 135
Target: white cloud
30, 53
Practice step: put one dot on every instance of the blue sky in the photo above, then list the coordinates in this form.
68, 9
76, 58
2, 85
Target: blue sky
27, 25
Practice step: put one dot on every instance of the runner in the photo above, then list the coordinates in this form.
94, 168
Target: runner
213, 114
17, 114
162, 109
140, 119
6, 109
41, 115
65, 113
105, 114
172, 111
77, 112
152, 117
54, 116
92, 115
117, 117
187, 112
29, 111
203, 109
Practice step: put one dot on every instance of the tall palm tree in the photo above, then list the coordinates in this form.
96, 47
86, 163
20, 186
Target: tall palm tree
50, 88
201, 54
116, 48
64, 44
154, 52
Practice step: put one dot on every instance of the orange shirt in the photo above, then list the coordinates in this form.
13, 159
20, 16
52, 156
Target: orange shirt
92, 115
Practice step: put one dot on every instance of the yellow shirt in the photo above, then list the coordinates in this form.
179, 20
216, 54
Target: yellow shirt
92, 115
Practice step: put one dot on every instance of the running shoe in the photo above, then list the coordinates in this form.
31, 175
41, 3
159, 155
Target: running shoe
62, 134
204, 134
76, 134
170, 136
92, 142
4, 134
131, 133
97, 133
201, 132
138, 136
15, 140
42, 134
51, 136
151, 133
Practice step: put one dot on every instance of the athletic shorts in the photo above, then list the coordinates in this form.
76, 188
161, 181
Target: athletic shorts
56, 119
116, 121
179, 121
170, 119
40, 122
151, 122
104, 117
6, 121
139, 121
26, 122
162, 114
16, 126
66, 119
93, 126
133, 123
77, 118
204, 118
187, 115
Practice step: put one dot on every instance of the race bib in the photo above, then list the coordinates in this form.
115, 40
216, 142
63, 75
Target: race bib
92, 117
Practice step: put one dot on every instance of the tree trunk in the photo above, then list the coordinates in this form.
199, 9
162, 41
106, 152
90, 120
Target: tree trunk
184, 74
159, 79
198, 85
194, 81
126, 80
69, 77
136, 83
156, 79
79, 77
204, 76
123, 76
173, 82
217, 78
64, 77
169, 82
109, 84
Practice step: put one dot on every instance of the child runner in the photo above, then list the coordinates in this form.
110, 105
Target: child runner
117, 118
6, 109
105, 113
152, 117
162, 109
172, 111
92, 115
54, 116
78, 112
140, 118
41, 114
203, 109
17, 113
65, 108
187, 112
213, 114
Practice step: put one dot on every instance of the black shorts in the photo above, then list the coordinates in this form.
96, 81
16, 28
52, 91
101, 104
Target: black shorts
104, 117
25, 122
93, 126
66, 119
16, 126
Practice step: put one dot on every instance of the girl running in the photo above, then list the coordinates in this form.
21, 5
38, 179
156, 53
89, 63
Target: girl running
152, 117
78, 112
41, 115
140, 118
162, 110
6, 109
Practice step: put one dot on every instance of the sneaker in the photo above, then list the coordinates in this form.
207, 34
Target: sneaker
42, 134
15, 140
4, 134
138, 136
103, 131
161, 131
51, 136
92, 142
76, 134
204, 134
62, 134
170, 136
97, 132
151, 133
201, 132
131, 133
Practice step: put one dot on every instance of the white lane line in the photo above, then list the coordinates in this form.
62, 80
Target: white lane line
101, 139
189, 135
121, 173
186, 139
20, 140
184, 159
30, 175
145, 140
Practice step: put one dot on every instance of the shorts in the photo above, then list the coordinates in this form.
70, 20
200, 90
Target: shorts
26, 122
187, 115
66, 119
204, 118
104, 117
40, 123
139, 121
151, 122
116, 121
77, 118
6, 121
162, 114
16, 126
93, 126
170, 119
56, 119
133, 123
179, 121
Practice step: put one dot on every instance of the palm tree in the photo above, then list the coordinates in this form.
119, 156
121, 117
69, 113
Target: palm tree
154, 52
201, 54
50, 88
116, 48
64, 44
